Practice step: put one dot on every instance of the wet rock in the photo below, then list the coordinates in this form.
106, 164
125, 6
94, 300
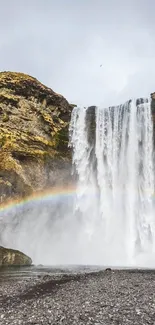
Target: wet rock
13, 257
153, 112
108, 269
153, 102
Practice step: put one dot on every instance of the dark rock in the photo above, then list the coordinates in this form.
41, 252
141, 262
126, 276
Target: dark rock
13, 257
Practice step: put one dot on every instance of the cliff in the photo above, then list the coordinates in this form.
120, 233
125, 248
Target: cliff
153, 110
34, 123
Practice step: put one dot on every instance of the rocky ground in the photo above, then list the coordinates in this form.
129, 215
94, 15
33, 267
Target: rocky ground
107, 297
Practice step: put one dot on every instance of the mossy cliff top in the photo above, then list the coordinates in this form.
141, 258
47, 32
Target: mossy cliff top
33, 113
26, 86
33, 134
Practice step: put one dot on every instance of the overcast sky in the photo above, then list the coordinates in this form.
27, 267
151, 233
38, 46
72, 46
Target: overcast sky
63, 43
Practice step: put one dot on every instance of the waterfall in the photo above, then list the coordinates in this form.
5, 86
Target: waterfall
115, 182
110, 219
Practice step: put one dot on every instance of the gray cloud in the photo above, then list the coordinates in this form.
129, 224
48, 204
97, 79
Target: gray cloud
63, 43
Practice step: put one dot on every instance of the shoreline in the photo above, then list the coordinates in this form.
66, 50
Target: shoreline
104, 297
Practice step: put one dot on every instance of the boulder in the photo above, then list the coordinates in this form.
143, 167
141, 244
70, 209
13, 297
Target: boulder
13, 257
34, 122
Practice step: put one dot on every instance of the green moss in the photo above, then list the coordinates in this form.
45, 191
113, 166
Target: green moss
61, 139
5, 117
2, 140
14, 77
13, 257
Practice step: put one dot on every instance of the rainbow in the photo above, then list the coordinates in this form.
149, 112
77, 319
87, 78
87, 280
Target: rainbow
42, 196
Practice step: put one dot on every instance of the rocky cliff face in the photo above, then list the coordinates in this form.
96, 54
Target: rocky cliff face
153, 110
34, 123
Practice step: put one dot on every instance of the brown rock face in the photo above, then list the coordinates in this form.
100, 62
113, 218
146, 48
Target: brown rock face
153, 111
13, 257
34, 123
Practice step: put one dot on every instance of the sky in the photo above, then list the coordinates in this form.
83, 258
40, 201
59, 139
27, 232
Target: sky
63, 43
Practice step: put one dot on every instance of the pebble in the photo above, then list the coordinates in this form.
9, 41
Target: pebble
121, 297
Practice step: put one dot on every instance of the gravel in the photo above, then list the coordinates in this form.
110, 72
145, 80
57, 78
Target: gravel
100, 298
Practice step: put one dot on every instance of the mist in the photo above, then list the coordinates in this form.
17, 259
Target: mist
109, 219
53, 232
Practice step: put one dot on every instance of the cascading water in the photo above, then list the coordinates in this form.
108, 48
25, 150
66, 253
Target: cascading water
111, 218
115, 194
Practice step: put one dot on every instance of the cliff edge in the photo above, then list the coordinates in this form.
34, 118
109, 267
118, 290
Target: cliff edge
34, 123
